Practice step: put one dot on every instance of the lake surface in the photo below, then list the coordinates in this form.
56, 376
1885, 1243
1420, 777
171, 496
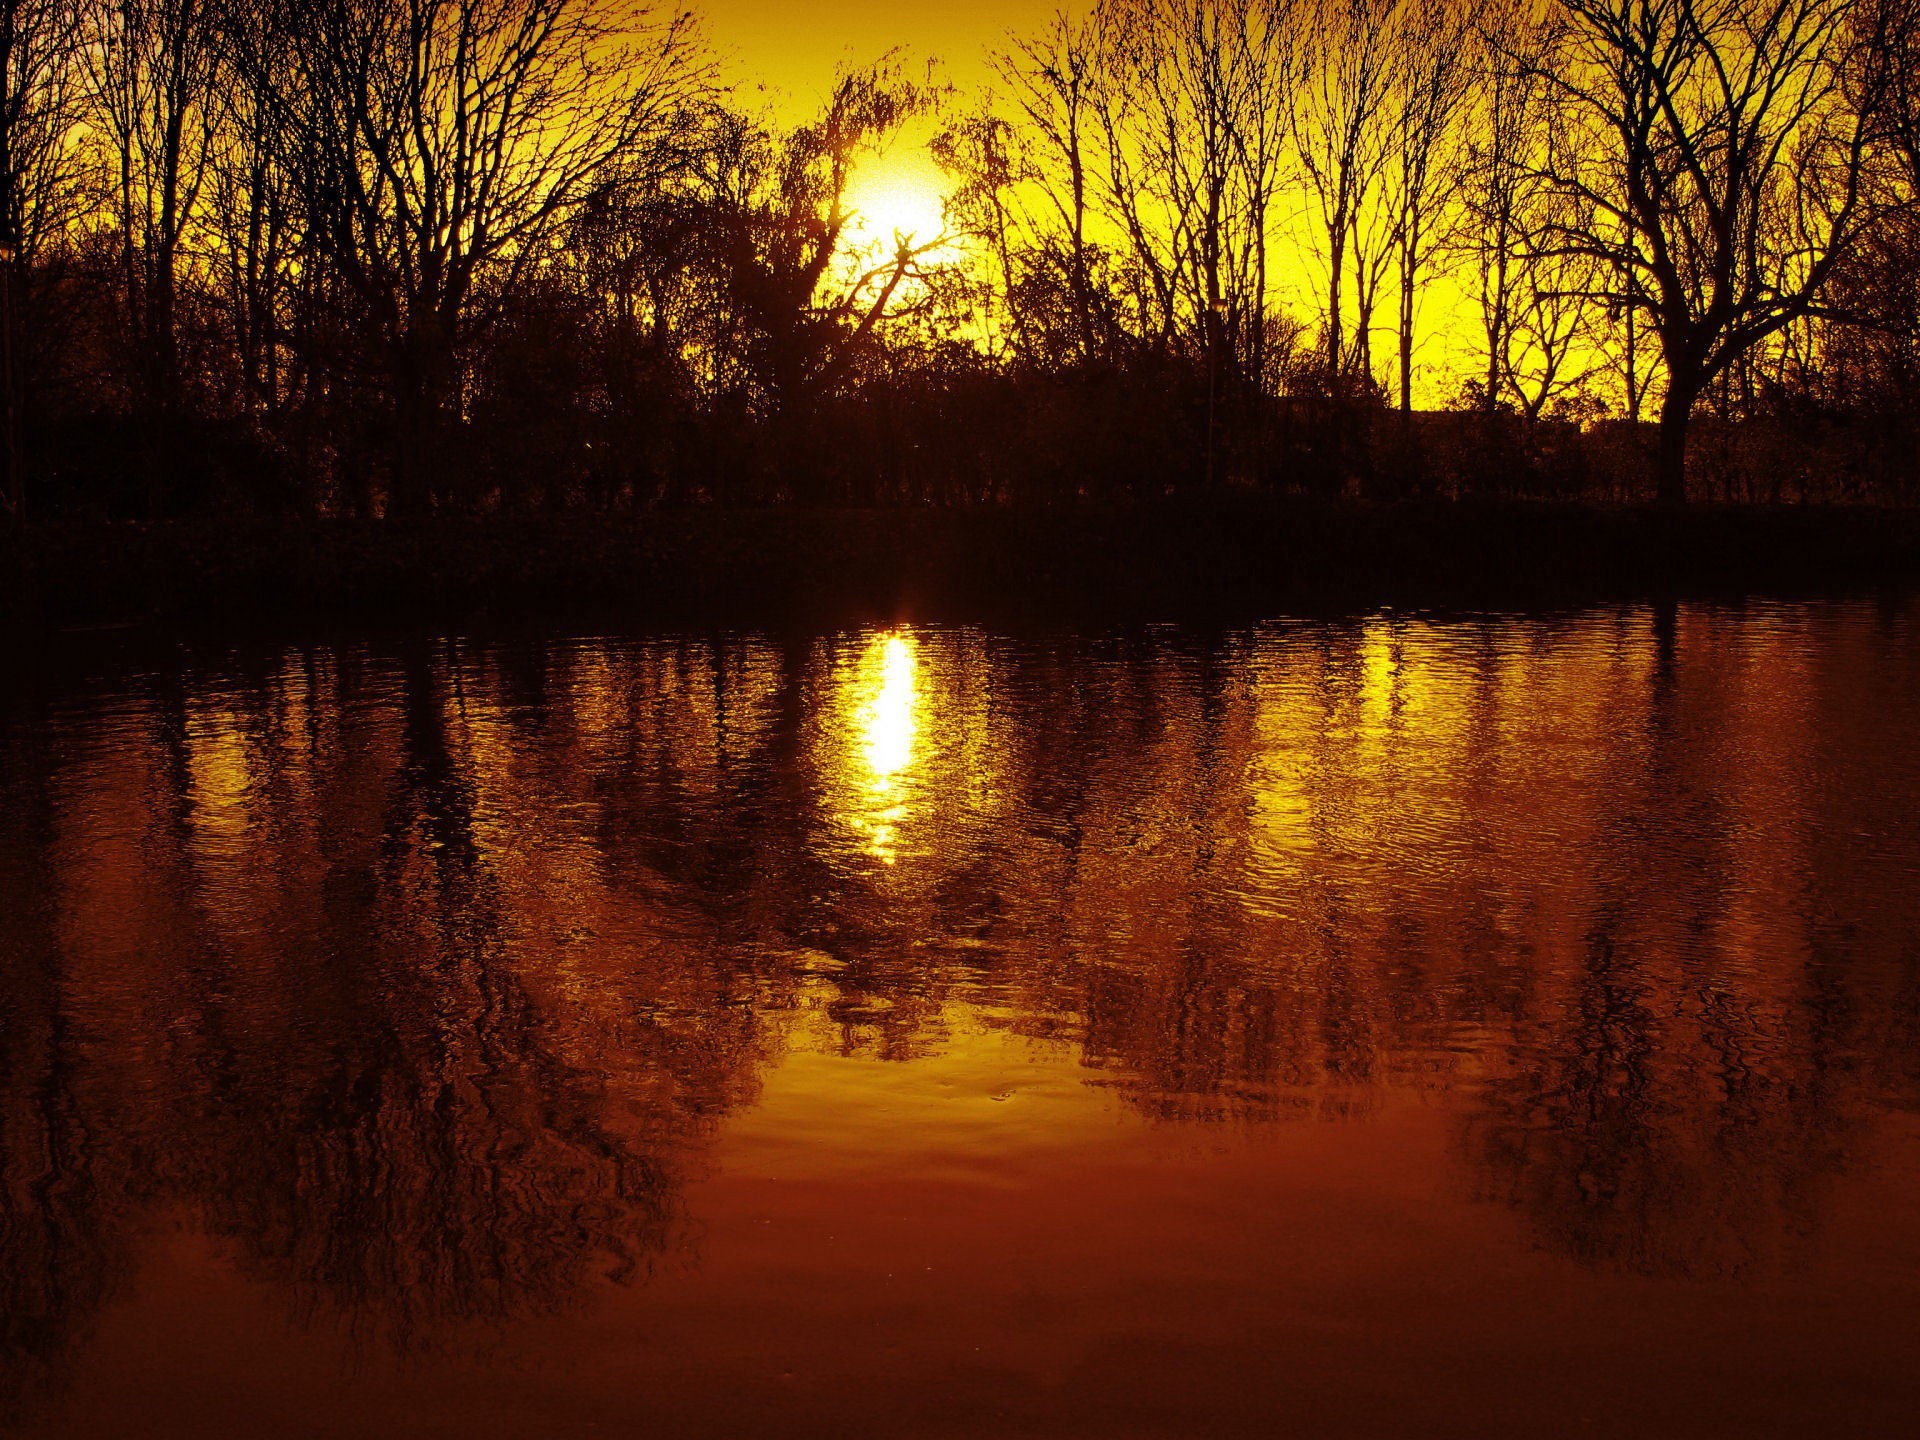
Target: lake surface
1396, 1027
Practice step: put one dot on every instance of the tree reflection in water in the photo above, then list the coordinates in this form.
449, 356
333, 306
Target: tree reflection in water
422, 976
62, 1201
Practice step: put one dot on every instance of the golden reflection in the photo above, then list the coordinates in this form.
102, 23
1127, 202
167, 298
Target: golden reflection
1280, 780
886, 723
425, 1001
1379, 679
219, 772
888, 717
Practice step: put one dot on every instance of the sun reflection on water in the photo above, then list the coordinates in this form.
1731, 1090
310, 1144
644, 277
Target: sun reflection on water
886, 723
1616, 945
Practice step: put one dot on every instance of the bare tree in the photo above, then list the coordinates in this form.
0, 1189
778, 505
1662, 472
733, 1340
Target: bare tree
1338, 109
1537, 298
1865, 354
153, 66
1506, 124
41, 188
252, 209
1264, 36
442, 146
1189, 100
1424, 163
1549, 349
1716, 155
1050, 80
803, 295
1141, 200
1191, 108
41, 76
987, 167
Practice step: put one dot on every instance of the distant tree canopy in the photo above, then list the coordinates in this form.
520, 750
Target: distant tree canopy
398, 257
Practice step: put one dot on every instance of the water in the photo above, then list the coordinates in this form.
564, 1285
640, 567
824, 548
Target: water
1394, 1027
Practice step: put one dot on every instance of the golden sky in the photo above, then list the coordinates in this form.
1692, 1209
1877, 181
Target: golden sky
794, 47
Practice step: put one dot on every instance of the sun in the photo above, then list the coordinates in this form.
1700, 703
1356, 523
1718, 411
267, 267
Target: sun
897, 199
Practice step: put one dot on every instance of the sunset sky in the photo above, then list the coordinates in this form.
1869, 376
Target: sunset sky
791, 52
794, 47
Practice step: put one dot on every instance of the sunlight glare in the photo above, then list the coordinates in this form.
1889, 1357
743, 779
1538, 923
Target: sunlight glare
896, 201
889, 720
887, 725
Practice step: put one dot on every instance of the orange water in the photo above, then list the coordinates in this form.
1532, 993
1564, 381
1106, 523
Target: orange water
1398, 1027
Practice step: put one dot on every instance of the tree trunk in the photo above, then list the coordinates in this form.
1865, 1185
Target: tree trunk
1082, 291
162, 382
1409, 277
421, 380
1406, 337
1336, 270
407, 493
1676, 411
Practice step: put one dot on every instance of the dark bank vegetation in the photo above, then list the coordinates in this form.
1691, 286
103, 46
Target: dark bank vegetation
351, 260
1226, 559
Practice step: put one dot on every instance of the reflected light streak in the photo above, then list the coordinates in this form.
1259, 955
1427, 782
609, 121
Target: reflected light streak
218, 768
887, 724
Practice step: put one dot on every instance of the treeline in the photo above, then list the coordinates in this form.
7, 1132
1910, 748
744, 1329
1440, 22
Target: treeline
1654, 208
366, 257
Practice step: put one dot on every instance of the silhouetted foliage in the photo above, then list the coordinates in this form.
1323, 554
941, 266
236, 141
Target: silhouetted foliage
399, 257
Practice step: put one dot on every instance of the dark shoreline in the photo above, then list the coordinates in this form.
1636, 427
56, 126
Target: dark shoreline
1232, 558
